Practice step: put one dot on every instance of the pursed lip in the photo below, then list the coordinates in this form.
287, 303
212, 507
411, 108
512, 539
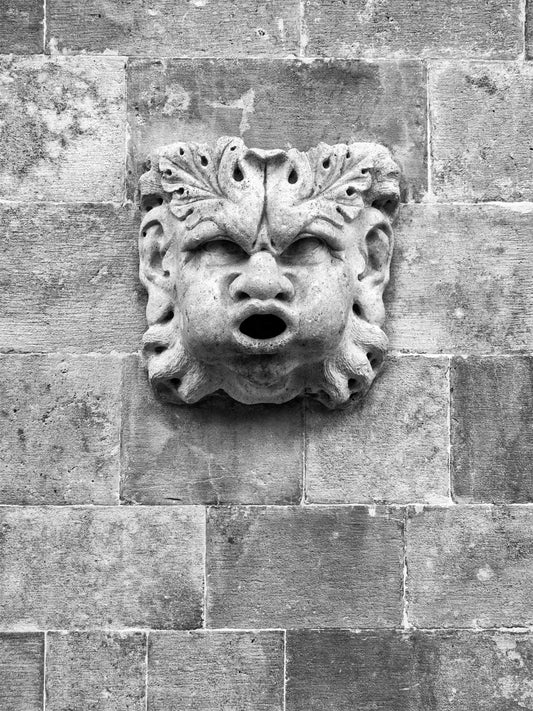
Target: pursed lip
257, 308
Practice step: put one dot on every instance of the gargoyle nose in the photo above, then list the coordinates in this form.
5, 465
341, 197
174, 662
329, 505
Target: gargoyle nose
262, 279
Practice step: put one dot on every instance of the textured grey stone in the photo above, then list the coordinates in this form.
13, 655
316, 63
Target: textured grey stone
470, 567
394, 448
280, 103
298, 567
81, 567
492, 429
59, 429
215, 452
175, 27
427, 28
408, 671
461, 279
21, 672
21, 29
482, 130
100, 671
212, 670
68, 279
63, 128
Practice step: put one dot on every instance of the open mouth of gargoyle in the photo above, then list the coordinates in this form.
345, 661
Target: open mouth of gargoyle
262, 327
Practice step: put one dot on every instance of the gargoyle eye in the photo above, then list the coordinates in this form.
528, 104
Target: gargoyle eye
223, 249
305, 247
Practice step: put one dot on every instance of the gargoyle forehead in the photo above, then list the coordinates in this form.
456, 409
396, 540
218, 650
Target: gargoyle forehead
231, 189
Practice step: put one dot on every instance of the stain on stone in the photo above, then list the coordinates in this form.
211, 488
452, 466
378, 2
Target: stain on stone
483, 82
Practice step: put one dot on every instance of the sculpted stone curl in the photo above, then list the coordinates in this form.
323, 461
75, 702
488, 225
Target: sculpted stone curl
265, 270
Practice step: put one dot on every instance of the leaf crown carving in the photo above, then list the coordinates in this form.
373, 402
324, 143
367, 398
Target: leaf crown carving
335, 180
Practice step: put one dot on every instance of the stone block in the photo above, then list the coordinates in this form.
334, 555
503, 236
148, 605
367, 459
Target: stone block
214, 452
175, 27
296, 567
470, 567
492, 429
103, 567
216, 670
59, 429
280, 103
95, 670
63, 128
529, 30
427, 28
69, 279
345, 670
461, 279
21, 672
394, 448
21, 27
482, 130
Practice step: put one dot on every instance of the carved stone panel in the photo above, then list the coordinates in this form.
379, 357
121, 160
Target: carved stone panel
265, 270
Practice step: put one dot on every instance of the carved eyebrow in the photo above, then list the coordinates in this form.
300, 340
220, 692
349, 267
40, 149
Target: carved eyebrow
192, 242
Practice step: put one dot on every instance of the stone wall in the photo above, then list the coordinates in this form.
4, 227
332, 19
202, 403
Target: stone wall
266, 558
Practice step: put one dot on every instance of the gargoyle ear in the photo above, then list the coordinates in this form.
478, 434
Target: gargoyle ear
376, 247
153, 248
154, 269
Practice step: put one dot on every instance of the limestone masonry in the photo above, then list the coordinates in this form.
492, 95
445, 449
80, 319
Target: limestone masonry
275, 556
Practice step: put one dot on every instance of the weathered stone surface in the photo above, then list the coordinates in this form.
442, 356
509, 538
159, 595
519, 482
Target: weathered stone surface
394, 448
492, 429
95, 670
175, 27
420, 671
101, 567
68, 278
265, 270
59, 429
215, 670
215, 452
478, 151
21, 28
21, 672
297, 567
430, 28
273, 104
63, 128
461, 279
470, 567
529, 30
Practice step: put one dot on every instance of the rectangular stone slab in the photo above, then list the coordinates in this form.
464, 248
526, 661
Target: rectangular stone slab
470, 567
212, 453
64, 128
492, 429
482, 130
461, 279
100, 670
175, 27
109, 567
59, 429
21, 672
420, 28
339, 670
303, 567
21, 28
280, 103
393, 449
212, 670
69, 278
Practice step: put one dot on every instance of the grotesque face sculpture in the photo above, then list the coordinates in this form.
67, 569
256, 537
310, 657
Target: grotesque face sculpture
265, 270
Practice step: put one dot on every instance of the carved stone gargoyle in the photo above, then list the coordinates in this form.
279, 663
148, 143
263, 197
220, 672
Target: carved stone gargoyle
265, 270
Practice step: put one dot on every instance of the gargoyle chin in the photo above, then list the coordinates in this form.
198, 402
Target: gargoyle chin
265, 270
